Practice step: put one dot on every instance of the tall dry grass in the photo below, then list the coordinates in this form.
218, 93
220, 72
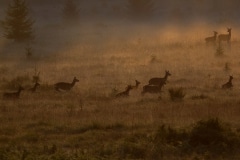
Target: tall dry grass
104, 59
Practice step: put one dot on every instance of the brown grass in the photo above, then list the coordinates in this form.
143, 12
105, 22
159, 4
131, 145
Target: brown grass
87, 119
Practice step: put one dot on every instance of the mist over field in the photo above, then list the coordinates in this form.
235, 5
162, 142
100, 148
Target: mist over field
106, 47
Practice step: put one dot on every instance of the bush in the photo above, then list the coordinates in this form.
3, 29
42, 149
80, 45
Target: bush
132, 150
167, 141
170, 135
212, 136
176, 93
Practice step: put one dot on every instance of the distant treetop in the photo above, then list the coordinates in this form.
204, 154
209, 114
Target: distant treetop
17, 25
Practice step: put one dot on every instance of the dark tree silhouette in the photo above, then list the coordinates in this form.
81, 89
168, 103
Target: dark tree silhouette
140, 9
70, 11
17, 24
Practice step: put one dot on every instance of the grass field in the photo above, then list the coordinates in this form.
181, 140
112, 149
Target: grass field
89, 123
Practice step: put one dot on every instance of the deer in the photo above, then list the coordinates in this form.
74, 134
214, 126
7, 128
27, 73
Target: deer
65, 86
153, 88
159, 81
137, 83
124, 93
225, 37
229, 84
212, 39
34, 88
13, 95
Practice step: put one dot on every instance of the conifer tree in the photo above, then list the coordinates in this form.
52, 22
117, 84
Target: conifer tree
17, 25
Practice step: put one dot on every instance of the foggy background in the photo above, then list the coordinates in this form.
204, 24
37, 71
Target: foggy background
184, 11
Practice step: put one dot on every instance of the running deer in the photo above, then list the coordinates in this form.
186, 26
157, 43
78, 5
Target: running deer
34, 88
125, 93
212, 39
65, 86
228, 85
159, 81
153, 88
13, 95
225, 37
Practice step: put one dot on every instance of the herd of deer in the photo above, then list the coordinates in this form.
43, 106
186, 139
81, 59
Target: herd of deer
222, 37
155, 84
64, 86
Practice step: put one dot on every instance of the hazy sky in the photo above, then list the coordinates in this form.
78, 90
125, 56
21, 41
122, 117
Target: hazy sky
216, 11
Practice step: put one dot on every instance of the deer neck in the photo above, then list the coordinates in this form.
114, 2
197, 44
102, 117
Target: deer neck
165, 77
137, 84
73, 83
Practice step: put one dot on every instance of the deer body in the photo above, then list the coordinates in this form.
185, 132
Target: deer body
152, 89
212, 39
136, 85
229, 84
159, 81
34, 88
13, 95
65, 86
125, 93
225, 37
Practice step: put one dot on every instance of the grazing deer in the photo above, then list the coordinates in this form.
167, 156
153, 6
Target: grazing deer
136, 85
159, 81
212, 39
13, 95
228, 85
125, 93
225, 37
153, 88
34, 88
65, 86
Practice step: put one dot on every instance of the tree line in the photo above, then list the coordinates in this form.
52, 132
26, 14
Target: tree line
18, 25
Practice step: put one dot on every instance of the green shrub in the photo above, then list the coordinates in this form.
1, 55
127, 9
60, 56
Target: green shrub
176, 93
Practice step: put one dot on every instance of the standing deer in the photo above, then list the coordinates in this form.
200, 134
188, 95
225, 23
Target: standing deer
225, 37
159, 81
152, 88
13, 95
65, 86
125, 93
229, 84
212, 39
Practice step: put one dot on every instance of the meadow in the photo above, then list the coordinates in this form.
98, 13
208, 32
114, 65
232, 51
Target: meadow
88, 122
